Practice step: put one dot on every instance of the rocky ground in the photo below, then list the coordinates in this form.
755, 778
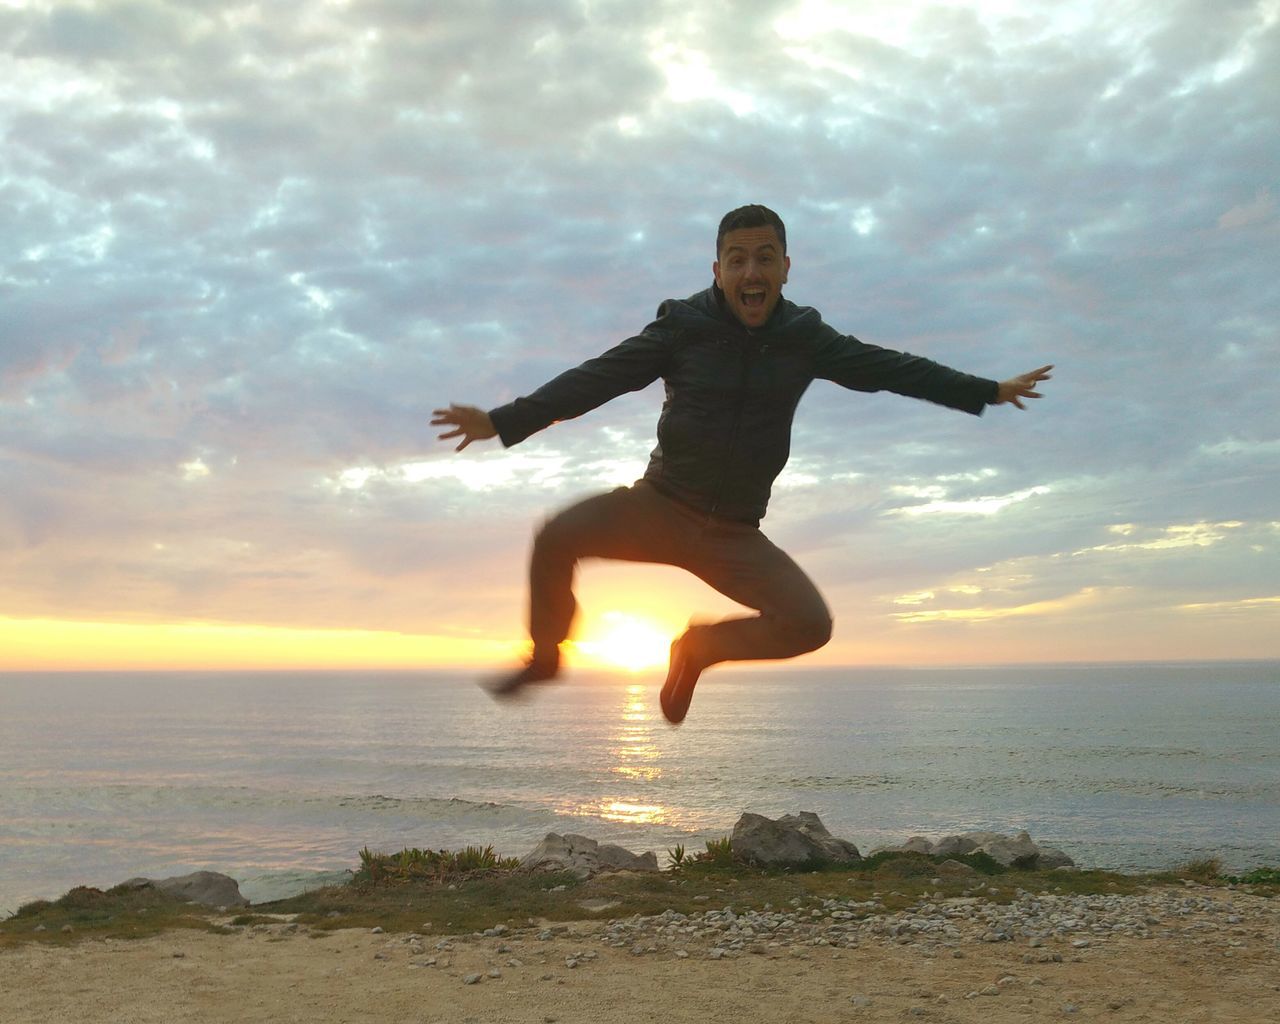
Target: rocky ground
1191, 954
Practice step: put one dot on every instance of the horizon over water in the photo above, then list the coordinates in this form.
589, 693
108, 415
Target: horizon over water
278, 778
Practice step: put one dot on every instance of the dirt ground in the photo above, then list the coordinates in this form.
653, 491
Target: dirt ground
355, 976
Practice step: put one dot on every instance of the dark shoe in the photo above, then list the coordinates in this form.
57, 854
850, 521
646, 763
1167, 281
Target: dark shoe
537, 670
682, 677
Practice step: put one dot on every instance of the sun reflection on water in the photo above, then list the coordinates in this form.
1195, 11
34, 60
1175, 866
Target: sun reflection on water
634, 814
636, 758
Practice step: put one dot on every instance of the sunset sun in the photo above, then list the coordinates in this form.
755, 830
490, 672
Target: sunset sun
626, 642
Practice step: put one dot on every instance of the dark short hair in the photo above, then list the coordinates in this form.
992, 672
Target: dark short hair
752, 216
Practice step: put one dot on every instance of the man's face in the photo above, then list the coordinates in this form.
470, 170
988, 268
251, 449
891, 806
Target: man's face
751, 271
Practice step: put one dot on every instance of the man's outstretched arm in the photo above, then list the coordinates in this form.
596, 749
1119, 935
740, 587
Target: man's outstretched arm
854, 364
468, 422
1015, 389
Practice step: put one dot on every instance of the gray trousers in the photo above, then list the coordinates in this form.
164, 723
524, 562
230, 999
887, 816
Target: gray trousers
639, 524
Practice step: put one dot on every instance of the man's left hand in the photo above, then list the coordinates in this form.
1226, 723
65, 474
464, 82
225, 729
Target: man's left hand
1015, 389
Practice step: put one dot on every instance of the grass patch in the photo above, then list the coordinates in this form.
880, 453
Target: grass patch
472, 901
454, 894
1207, 870
245, 920
454, 904
124, 912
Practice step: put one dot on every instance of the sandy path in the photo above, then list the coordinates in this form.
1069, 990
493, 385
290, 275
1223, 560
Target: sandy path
1196, 974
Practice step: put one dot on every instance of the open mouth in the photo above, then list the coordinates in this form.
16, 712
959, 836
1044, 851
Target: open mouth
752, 297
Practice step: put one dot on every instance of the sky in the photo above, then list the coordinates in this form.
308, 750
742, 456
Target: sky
248, 247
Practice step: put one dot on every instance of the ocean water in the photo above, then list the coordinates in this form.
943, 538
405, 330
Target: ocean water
279, 779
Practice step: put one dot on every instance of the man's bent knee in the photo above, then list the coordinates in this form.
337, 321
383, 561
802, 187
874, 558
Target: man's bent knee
821, 633
554, 534
560, 535
809, 634
570, 531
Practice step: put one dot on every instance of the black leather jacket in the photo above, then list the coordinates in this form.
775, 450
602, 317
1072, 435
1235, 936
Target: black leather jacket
725, 429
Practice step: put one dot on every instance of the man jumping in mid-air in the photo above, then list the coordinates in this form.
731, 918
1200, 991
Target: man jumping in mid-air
735, 360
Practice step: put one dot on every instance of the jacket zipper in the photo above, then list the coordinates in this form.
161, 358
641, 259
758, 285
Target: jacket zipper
744, 374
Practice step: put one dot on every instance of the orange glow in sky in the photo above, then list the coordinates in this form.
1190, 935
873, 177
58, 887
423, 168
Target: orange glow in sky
54, 645
610, 640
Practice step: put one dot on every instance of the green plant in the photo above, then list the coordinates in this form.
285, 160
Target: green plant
719, 854
1207, 869
370, 865
675, 857
1259, 876
431, 865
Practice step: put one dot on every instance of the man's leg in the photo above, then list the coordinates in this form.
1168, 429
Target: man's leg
630, 523
743, 564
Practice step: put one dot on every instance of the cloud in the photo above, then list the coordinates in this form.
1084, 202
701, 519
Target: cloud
249, 250
1246, 214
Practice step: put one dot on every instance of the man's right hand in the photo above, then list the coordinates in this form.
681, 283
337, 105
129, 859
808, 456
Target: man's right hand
469, 423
